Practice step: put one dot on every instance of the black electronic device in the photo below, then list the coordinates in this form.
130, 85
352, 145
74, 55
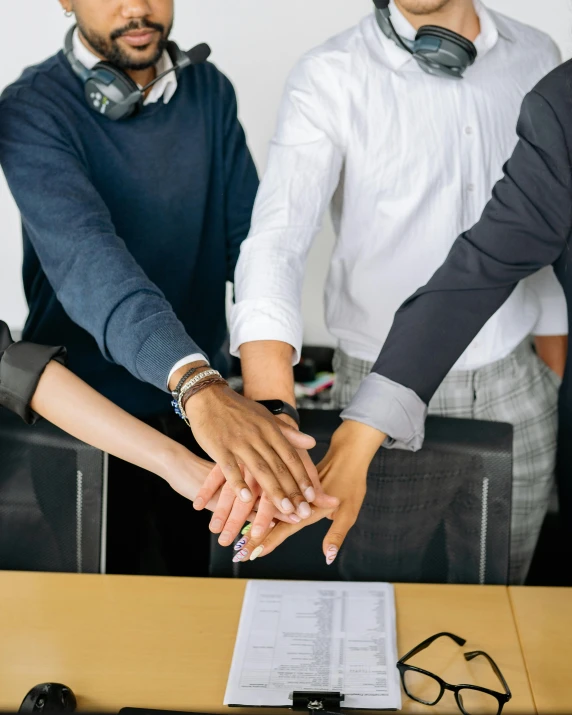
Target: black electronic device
437, 50
111, 92
48, 698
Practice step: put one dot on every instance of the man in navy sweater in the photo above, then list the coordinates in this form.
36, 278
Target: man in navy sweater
131, 229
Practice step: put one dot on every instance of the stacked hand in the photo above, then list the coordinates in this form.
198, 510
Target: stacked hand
342, 474
243, 437
231, 513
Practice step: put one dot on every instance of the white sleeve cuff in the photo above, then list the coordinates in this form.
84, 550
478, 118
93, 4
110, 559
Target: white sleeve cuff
195, 357
392, 409
553, 319
553, 313
266, 319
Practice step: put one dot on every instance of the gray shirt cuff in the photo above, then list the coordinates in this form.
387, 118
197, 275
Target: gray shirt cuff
392, 409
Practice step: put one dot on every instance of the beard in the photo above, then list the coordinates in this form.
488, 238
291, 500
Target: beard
109, 48
423, 7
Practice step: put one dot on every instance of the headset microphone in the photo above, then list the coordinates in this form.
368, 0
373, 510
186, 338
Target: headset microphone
111, 92
438, 51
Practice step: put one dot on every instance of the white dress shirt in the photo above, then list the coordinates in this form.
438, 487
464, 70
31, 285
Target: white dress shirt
407, 162
164, 89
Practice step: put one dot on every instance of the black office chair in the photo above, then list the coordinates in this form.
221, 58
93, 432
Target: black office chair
442, 515
52, 500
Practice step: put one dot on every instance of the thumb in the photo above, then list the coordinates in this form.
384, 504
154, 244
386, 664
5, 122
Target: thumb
342, 523
297, 439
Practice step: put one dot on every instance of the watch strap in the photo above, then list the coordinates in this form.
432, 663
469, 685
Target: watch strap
279, 407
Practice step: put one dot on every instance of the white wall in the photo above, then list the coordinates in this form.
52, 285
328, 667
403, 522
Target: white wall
255, 42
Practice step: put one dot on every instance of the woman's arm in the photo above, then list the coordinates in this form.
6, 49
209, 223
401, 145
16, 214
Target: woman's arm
65, 400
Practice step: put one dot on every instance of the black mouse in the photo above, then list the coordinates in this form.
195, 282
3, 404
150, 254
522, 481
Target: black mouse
49, 697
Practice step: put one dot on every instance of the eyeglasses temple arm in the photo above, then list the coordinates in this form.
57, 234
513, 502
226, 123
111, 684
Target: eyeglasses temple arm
426, 643
475, 653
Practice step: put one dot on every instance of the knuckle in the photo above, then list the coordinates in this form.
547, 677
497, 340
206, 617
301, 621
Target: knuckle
336, 535
291, 457
280, 468
296, 494
276, 494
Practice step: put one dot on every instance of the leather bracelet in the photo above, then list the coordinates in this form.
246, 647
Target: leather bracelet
200, 387
177, 393
188, 386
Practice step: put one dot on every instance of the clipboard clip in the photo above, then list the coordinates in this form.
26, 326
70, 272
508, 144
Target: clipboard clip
316, 702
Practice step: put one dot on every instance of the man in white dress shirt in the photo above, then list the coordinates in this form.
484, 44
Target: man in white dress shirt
400, 155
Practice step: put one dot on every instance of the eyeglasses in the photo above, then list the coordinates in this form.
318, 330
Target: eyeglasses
428, 688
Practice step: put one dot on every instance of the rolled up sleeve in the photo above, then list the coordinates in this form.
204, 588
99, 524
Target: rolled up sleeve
303, 171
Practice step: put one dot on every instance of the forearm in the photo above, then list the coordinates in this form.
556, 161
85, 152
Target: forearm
66, 401
267, 370
553, 350
360, 439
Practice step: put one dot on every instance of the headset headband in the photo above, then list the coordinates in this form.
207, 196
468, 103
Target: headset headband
437, 50
112, 92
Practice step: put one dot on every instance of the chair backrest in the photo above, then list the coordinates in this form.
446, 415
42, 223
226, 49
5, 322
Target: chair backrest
52, 500
440, 515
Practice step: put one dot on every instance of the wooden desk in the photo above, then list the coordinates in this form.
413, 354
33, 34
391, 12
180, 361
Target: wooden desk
544, 620
168, 643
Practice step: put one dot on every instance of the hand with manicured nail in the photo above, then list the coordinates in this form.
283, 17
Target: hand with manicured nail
229, 512
343, 473
239, 433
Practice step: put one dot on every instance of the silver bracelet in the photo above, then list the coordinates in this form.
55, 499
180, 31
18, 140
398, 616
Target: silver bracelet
191, 383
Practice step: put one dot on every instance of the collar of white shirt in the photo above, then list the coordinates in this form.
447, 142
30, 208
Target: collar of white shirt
486, 40
165, 88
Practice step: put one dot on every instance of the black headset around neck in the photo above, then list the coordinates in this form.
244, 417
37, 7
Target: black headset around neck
438, 51
111, 92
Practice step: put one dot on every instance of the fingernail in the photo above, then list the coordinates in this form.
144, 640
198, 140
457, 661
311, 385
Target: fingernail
199, 503
225, 538
304, 510
245, 495
240, 556
287, 505
216, 525
310, 494
239, 544
272, 524
256, 553
331, 554
294, 518
246, 529
257, 532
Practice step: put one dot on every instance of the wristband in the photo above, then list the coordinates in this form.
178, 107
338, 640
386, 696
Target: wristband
279, 407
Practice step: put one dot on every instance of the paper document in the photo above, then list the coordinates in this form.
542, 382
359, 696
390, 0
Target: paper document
316, 635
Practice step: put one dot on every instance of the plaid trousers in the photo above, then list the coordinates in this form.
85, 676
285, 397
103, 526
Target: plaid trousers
519, 389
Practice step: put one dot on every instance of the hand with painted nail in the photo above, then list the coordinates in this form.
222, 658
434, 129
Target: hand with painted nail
239, 433
228, 526
230, 513
266, 509
343, 473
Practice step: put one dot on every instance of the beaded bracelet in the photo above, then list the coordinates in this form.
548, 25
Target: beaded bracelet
176, 393
179, 409
188, 374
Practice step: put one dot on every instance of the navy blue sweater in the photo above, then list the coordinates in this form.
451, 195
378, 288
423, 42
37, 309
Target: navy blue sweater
131, 229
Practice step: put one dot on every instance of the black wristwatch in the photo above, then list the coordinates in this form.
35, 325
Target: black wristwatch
279, 407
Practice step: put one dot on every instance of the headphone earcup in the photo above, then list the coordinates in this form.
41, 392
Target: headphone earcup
444, 51
107, 90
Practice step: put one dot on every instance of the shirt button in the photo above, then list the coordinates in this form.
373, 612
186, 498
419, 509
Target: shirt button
471, 187
468, 130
